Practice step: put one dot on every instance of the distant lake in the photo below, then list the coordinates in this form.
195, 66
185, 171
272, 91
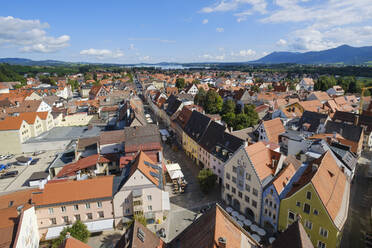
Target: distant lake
165, 67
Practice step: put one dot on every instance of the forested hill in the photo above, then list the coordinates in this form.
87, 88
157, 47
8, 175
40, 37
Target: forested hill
340, 55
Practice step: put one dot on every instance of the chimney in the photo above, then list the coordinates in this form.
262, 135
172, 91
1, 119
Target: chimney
221, 242
334, 135
356, 120
315, 167
245, 143
68, 235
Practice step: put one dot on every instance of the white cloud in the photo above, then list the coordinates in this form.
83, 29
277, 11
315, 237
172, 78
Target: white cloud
244, 53
212, 57
205, 21
220, 30
131, 47
264, 53
231, 5
102, 53
30, 35
326, 24
281, 42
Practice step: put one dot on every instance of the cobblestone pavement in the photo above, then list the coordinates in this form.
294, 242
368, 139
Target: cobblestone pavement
105, 239
193, 198
359, 222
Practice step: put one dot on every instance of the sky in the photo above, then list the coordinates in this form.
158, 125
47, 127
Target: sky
118, 31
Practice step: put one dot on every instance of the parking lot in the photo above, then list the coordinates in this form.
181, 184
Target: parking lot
24, 171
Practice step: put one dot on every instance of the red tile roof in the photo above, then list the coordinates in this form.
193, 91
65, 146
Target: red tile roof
70, 191
71, 169
273, 128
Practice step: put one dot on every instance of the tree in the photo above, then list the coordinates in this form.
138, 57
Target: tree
250, 111
228, 107
255, 88
140, 218
241, 121
199, 99
47, 80
180, 83
207, 180
78, 230
213, 102
74, 84
229, 119
352, 88
196, 81
324, 83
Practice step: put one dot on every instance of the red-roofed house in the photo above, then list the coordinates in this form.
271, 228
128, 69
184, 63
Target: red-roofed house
141, 191
62, 203
246, 174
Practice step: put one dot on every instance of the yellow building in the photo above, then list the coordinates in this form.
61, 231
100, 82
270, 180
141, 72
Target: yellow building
320, 200
193, 132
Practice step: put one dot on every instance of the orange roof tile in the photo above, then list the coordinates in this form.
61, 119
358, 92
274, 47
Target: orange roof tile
284, 177
70, 191
71, 169
273, 128
261, 158
73, 243
139, 164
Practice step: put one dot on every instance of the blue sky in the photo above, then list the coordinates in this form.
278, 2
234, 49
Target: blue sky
178, 30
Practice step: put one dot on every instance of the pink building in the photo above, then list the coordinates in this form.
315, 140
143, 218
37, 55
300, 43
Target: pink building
60, 204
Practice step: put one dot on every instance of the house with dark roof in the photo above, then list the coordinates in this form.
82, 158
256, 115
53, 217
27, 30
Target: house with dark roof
137, 235
294, 236
319, 199
348, 132
146, 139
215, 228
312, 122
193, 133
180, 121
140, 191
364, 121
216, 147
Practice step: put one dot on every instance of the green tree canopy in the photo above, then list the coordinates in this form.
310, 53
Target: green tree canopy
228, 107
229, 119
74, 84
213, 102
180, 83
199, 99
196, 81
207, 180
78, 230
324, 83
47, 80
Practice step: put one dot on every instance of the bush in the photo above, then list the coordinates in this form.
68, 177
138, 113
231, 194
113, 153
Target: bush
78, 230
207, 180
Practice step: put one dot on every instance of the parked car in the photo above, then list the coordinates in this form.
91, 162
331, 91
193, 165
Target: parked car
9, 174
38, 153
2, 157
34, 161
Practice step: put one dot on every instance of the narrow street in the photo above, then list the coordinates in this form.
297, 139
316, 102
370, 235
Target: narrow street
359, 222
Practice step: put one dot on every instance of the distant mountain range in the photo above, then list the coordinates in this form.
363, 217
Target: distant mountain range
340, 55
344, 54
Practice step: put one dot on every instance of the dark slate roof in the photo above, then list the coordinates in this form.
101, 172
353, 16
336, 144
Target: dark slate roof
197, 125
347, 131
351, 118
312, 118
38, 175
138, 235
216, 136
173, 105
340, 151
211, 136
142, 138
294, 236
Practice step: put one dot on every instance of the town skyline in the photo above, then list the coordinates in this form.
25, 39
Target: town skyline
192, 31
